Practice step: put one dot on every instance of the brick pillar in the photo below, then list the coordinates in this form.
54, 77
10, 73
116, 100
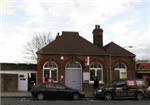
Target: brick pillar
61, 72
40, 72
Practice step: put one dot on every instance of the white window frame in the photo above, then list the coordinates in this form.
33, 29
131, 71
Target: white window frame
50, 70
95, 70
69, 66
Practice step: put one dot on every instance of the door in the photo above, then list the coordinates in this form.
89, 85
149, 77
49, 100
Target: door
23, 82
73, 75
9, 82
73, 78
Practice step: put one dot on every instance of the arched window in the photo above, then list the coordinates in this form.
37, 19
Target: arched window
120, 65
96, 70
51, 71
120, 71
73, 64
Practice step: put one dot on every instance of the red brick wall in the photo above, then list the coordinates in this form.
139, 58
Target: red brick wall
104, 60
129, 61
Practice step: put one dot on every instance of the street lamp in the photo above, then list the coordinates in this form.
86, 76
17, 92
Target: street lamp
128, 47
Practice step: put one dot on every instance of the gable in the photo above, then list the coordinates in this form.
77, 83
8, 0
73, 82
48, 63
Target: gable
116, 50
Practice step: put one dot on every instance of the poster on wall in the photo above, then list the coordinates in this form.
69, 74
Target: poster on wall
86, 76
123, 74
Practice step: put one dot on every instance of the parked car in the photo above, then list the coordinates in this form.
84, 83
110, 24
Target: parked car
148, 91
55, 91
122, 89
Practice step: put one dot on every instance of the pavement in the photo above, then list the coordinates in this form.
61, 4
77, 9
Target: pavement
15, 94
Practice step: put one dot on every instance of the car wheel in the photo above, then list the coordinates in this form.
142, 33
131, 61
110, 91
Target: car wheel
108, 96
140, 96
76, 96
40, 96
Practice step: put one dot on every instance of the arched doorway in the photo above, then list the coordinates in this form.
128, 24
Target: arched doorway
73, 75
120, 71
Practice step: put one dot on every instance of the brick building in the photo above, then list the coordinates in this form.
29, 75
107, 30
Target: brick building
143, 70
74, 61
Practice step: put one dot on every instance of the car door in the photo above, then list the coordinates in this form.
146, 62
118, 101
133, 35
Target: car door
62, 91
51, 92
131, 92
120, 90
132, 88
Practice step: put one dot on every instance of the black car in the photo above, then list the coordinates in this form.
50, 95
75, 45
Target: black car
55, 91
122, 89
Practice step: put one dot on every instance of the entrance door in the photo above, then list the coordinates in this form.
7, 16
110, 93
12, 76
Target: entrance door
73, 75
23, 82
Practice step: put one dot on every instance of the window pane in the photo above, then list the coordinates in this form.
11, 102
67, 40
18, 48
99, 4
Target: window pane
92, 75
99, 75
46, 65
73, 65
46, 73
54, 75
117, 74
95, 65
50, 64
120, 65
98, 66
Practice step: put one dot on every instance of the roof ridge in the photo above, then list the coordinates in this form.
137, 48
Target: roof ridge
117, 48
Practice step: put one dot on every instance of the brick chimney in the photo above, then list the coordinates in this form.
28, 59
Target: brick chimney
98, 36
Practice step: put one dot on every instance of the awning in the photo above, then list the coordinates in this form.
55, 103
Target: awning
143, 71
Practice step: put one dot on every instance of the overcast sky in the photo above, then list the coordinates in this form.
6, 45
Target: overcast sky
125, 22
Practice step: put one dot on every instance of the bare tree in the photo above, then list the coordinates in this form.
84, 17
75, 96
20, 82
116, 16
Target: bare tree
38, 41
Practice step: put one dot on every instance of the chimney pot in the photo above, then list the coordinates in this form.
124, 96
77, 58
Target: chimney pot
57, 35
96, 26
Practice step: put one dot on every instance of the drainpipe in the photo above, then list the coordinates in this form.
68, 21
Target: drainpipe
110, 68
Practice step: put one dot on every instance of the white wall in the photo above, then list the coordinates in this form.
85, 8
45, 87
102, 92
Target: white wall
22, 78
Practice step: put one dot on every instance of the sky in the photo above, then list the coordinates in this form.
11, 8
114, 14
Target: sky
125, 22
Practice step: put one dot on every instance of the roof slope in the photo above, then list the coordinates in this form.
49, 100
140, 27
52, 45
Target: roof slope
114, 49
73, 44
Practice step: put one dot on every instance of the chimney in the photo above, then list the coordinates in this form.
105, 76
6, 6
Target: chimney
98, 36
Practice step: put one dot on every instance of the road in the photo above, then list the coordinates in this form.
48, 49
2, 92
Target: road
30, 101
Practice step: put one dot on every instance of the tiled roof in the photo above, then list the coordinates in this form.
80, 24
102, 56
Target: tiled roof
71, 43
19, 66
114, 49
